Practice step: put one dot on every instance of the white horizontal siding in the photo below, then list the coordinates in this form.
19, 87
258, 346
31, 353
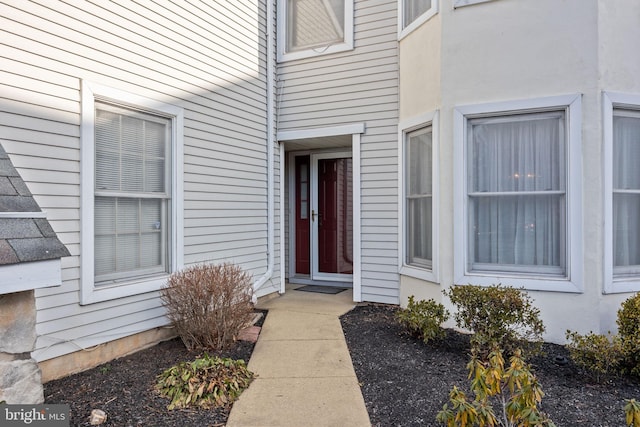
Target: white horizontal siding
208, 57
359, 86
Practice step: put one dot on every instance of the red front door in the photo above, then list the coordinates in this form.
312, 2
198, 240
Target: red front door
303, 202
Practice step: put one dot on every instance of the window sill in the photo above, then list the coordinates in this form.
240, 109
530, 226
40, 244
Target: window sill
419, 273
314, 52
622, 285
404, 32
462, 3
530, 283
93, 294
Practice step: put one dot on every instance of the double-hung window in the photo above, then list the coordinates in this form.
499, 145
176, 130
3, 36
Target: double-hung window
131, 190
622, 198
412, 13
132, 193
419, 194
517, 178
418, 170
314, 27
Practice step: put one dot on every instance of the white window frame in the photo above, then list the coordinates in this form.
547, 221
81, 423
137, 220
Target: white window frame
611, 101
282, 31
404, 31
89, 292
404, 128
461, 3
571, 104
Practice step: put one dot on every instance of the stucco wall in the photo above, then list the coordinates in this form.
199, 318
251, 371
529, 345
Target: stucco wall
516, 50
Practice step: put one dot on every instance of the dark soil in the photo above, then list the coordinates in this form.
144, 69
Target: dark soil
124, 389
404, 381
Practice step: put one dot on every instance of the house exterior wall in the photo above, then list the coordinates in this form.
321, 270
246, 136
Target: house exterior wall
358, 86
208, 58
540, 48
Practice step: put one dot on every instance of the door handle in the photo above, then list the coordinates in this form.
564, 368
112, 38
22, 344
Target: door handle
313, 216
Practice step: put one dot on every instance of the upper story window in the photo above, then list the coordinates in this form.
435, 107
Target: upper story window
412, 13
314, 27
622, 195
131, 193
520, 196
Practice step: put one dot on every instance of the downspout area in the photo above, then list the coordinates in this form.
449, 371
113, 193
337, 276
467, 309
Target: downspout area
270, 150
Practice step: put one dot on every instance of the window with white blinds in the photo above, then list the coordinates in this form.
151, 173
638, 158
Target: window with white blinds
132, 193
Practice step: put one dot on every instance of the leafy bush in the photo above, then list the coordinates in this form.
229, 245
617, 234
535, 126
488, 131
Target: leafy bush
629, 331
632, 413
599, 354
498, 316
516, 390
209, 304
205, 382
423, 318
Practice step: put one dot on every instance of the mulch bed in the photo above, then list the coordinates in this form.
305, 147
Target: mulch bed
406, 382
124, 389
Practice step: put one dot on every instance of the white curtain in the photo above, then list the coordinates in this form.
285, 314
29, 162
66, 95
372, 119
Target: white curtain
626, 190
517, 186
419, 198
413, 9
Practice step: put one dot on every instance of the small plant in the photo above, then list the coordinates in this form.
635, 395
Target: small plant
105, 369
515, 390
423, 318
632, 413
209, 304
498, 316
629, 331
598, 354
205, 382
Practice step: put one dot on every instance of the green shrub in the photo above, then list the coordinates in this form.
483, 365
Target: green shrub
515, 390
629, 331
423, 318
498, 316
205, 382
598, 354
632, 413
209, 304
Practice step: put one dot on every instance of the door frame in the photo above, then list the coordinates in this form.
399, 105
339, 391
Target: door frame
317, 275
354, 131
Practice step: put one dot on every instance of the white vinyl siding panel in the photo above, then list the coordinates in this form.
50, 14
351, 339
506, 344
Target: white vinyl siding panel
208, 57
359, 86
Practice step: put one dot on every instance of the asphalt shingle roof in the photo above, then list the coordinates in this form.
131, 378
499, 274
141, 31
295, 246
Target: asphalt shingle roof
23, 238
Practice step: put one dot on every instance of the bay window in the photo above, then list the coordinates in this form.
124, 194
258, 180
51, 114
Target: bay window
622, 192
519, 193
418, 213
419, 195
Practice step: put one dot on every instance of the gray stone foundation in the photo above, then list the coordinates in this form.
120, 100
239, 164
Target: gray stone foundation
20, 378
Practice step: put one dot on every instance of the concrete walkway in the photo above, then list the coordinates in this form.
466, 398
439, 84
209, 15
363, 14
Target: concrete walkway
304, 372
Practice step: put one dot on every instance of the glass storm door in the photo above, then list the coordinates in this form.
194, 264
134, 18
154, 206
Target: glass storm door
332, 216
